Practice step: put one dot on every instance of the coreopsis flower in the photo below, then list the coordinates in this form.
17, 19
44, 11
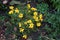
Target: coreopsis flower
21, 29
35, 13
20, 15
16, 10
11, 11
36, 19
20, 24
33, 9
28, 6
31, 25
38, 24
11, 7
29, 21
24, 36
41, 17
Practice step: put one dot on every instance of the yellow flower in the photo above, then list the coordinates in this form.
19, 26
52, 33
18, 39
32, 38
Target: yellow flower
11, 12
29, 21
21, 29
41, 17
38, 24
33, 9
31, 25
28, 6
35, 13
16, 10
20, 24
11, 7
36, 19
24, 36
25, 22
20, 15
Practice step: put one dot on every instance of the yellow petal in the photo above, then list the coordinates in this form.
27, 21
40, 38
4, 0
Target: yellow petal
11, 7
36, 19
11, 12
35, 13
21, 29
29, 21
38, 24
20, 15
33, 9
31, 25
25, 36
28, 6
16, 10
20, 24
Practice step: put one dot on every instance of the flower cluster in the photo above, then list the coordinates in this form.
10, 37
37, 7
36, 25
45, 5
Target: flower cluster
27, 20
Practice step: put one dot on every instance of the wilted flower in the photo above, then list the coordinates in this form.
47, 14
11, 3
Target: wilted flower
5, 1
15, 29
